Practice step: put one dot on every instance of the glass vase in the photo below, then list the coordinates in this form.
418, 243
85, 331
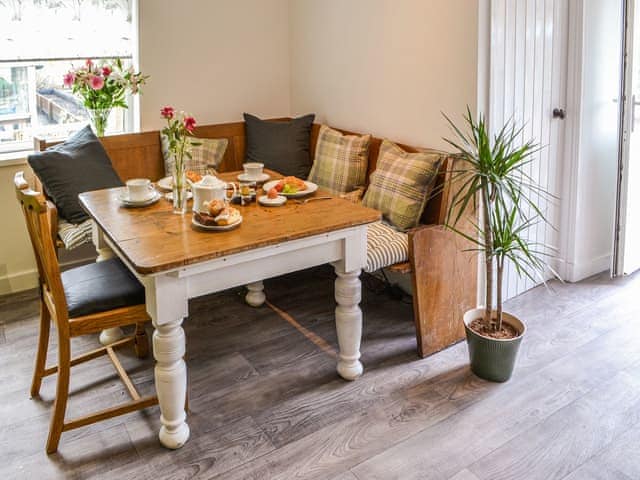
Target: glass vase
99, 117
179, 189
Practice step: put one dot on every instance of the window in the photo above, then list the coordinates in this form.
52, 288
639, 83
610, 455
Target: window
39, 41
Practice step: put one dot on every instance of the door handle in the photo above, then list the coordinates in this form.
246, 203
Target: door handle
559, 113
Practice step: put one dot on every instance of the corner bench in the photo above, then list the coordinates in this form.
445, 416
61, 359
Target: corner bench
443, 275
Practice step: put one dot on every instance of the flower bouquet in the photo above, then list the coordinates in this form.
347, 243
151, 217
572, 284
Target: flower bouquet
178, 131
103, 87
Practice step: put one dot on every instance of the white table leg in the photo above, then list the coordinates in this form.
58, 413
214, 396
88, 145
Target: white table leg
109, 335
168, 304
348, 322
171, 383
255, 294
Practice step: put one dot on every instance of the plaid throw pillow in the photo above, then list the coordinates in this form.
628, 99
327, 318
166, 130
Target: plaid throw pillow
207, 155
340, 163
401, 184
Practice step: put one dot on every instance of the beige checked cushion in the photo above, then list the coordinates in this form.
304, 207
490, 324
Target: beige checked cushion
208, 155
386, 246
401, 184
340, 162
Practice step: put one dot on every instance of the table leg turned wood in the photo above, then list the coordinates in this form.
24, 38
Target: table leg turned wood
348, 322
108, 335
171, 383
255, 294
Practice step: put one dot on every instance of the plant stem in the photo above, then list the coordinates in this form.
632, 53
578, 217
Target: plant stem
488, 249
500, 264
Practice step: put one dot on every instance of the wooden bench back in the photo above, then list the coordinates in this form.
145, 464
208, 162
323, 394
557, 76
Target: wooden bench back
139, 155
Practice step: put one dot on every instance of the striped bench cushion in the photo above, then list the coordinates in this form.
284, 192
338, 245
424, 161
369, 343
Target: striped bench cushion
74, 235
385, 246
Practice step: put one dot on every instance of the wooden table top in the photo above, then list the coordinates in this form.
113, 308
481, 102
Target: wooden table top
154, 239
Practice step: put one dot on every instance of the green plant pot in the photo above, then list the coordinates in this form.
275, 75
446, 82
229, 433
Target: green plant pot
491, 358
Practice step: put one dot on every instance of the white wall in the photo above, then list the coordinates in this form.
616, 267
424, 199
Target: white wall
386, 67
214, 58
17, 264
380, 66
590, 186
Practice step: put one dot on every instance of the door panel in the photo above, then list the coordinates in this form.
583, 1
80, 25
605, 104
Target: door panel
627, 235
527, 81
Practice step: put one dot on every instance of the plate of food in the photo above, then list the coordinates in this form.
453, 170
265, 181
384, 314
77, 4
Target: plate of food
217, 215
166, 183
291, 187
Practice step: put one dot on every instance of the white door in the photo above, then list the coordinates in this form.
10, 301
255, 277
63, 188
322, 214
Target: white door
626, 258
527, 83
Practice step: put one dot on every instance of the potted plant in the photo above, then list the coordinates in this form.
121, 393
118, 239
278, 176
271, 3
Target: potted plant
490, 174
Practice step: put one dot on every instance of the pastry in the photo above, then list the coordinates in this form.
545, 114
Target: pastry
290, 185
214, 207
193, 176
228, 216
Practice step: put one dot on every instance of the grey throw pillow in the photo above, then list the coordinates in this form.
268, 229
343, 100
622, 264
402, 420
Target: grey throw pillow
78, 165
282, 146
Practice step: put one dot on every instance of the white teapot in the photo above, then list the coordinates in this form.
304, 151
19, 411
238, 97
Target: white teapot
209, 188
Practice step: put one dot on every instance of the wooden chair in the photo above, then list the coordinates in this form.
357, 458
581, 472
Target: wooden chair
78, 306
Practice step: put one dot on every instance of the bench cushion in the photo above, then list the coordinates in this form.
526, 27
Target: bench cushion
385, 246
78, 165
208, 155
74, 235
402, 184
283, 146
100, 287
340, 162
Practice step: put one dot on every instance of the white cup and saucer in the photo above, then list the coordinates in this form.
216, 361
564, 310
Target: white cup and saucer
138, 192
253, 172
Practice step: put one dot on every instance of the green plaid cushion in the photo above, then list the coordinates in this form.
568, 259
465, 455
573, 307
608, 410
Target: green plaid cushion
340, 163
401, 184
205, 156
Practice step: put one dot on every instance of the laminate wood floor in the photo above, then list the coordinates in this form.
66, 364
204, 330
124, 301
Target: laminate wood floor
266, 402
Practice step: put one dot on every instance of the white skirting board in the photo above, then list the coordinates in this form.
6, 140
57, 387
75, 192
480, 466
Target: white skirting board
574, 272
13, 282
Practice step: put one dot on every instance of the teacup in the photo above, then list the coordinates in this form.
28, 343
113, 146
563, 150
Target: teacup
253, 170
139, 189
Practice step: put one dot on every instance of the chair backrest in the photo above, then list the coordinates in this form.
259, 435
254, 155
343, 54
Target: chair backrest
38, 213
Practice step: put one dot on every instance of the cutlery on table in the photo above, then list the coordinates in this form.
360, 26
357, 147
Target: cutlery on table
307, 200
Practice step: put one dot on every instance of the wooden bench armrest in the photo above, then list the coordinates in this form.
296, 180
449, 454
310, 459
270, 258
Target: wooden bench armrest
444, 285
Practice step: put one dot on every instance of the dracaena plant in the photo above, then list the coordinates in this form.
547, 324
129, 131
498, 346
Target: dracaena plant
490, 174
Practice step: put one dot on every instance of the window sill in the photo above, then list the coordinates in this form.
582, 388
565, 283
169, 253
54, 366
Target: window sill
14, 158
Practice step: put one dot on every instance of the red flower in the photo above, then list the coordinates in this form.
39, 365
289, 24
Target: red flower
96, 82
69, 78
189, 124
89, 63
167, 112
106, 71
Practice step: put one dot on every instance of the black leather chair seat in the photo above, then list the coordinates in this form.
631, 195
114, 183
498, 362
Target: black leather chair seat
99, 287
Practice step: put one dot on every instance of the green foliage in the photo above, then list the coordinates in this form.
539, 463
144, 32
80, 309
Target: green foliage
491, 174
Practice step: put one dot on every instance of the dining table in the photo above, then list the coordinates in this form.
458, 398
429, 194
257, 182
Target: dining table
176, 261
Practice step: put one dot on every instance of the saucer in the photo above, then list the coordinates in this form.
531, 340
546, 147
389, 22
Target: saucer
272, 202
216, 228
166, 183
125, 201
243, 177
